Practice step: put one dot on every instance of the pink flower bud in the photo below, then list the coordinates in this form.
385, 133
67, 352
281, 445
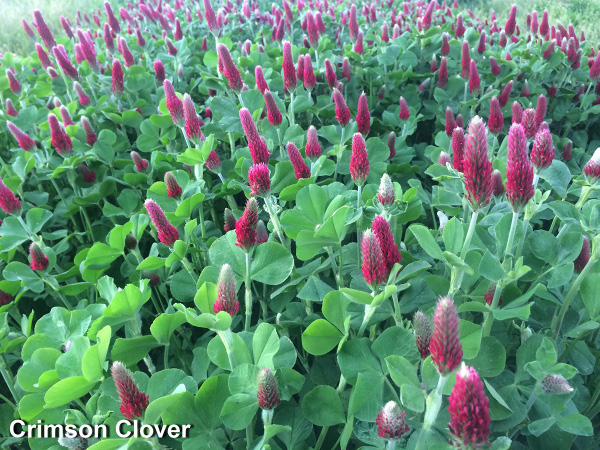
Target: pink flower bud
84, 99
497, 183
60, 139
43, 57
443, 73
190, 117
213, 162
584, 255
229, 220
444, 158
90, 136
495, 68
330, 74
65, 116
556, 384
469, 408
87, 175
230, 71
342, 112
27, 29
23, 140
391, 424
445, 44
112, 20
268, 396
309, 74
5, 298
262, 235
511, 23
312, 30
167, 233
404, 111
173, 188
450, 122
386, 194
10, 109
359, 161
273, 114
474, 81
226, 292
245, 227
496, 121
133, 401
117, 78
43, 29
258, 149
519, 172
529, 123
517, 112
313, 148
525, 91
542, 153
140, 163
567, 151
458, 148
159, 71
476, 166
422, 332
373, 265
540, 111
211, 19
261, 83
353, 24
301, 169
38, 260
504, 95
465, 60
460, 28
258, 178
363, 117
289, 71
385, 32
389, 249
300, 68
358, 45
482, 41
346, 69
9, 203
445, 347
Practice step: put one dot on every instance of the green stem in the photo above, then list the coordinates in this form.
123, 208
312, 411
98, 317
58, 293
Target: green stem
457, 273
339, 155
522, 241
8, 377
333, 266
231, 144
190, 269
397, 315
248, 294
321, 438
166, 357
369, 311
227, 339
434, 403
571, 295
291, 110
275, 220
359, 222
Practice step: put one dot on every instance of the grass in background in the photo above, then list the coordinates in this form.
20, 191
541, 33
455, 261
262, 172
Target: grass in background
583, 14
12, 36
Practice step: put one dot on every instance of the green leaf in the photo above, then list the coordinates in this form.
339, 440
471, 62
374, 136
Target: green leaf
453, 235
490, 267
543, 245
67, 390
131, 351
402, 371
239, 410
320, 337
356, 357
92, 364
36, 218
366, 397
539, 427
100, 256
210, 400
576, 424
426, 241
161, 405
491, 358
151, 263
265, 344
590, 294
470, 337
546, 354
272, 263
127, 302
165, 325
322, 407
412, 397
118, 235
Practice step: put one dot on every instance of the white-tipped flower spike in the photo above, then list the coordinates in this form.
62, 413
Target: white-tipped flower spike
386, 195
556, 384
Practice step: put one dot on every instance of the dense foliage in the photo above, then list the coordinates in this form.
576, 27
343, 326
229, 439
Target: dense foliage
377, 223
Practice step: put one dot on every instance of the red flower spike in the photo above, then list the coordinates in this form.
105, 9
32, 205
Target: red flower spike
273, 114
459, 121
482, 42
245, 227
268, 396
258, 178
474, 81
108, 38
10, 108
556, 384
450, 122
517, 112
385, 32
258, 149
173, 188
460, 29
43, 57
389, 249
226, 292
465, 60
140, 163
422, 332
511, 23
5, 298
519, 172
117, 85
65, 64
38, 260
496, 121
363, 117
190, 117
261, 83
495, 68
83, 98
458, 148
289, 71
504, 95
342, 112
211, 19
23, 140
90, 136
469, 410
489, 296
404, 111
445, 44
525, 91
567, 151
43, 30
386, 195
346, 69
133, 401
230, 71
584, 255
213, 162
540, 110
309, 74
529, 123
313, 148
87, 175
301, 169
445, 347
178, 110
27, 29
60, 139
312, 30
391, 422
167, 233
358, 45
228, 220
373, 265
497, 183
353, 24
159, 71
359, 161
443, 73
544, 28
476, 166
112, 20
330, 74
595, 69
9, 203
300, 68
65, 116
391, 143
542, 153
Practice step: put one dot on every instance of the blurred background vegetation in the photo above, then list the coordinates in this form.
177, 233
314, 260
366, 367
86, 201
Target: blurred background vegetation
12, 36
583, 14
